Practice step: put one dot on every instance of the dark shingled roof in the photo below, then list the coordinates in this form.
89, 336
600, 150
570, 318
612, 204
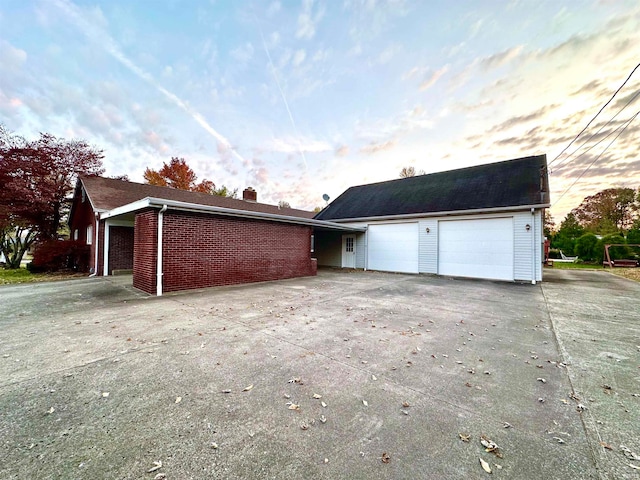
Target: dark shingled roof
519, 182
109, 193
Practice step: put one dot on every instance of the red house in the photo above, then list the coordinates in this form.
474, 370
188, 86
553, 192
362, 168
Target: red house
176, 240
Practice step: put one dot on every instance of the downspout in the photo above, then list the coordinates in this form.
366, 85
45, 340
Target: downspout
95, 262
533, 246
159, 262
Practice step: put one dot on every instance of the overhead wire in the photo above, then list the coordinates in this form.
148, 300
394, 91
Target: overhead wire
624, 127
596, 115
566, 159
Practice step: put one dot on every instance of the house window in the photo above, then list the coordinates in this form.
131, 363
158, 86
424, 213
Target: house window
349, 245
75, 234
89, 234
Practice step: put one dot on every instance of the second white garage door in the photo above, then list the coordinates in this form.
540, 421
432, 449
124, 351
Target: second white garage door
393, 247
476, 248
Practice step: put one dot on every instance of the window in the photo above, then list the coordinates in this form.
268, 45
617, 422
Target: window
349, 245
75, 234
89, 234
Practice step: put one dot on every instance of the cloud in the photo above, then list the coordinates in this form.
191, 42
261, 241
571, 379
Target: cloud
433, 78
308, 20
243, 53
378, 147
274, 8
518, 120
292, 145
299, 57
501, 58
11, 58
388, 54
101, 37
342, 151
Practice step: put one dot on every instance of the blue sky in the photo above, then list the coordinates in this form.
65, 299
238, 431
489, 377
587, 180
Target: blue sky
302, 98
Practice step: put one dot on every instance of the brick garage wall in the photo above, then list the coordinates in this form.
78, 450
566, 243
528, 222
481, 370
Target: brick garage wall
120, 248
145, 251
83, 216
204, 251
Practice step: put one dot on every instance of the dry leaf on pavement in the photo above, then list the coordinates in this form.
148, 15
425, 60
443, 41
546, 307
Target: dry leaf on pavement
485, 466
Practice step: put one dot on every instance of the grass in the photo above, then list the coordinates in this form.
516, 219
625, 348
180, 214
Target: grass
22, 275
630, 273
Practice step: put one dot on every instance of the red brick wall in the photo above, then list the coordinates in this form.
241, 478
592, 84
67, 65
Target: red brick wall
120, 248
145, 251
204, 251
83, 216
100, 268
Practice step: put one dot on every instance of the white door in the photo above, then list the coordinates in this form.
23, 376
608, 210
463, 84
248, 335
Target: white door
348, 251
393, 247
476, 248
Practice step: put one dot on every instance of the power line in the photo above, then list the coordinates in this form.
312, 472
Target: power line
596, 115
628, 122
563, 161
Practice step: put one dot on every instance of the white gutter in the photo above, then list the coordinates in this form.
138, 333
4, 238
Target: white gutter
97, 245
159, 262
151, 202
441, 214
533, 246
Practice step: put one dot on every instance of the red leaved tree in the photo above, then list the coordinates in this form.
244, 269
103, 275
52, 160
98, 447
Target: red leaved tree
37, 177
177, 174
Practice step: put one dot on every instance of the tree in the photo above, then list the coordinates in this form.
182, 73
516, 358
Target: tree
569, 231
37, 177
549, 225
177, 174
225, 191
610, 209
283, 204
407, 172
586, 247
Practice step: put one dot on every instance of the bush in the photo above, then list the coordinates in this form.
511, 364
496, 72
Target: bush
633, 236
616, 253
54, 255
586, 247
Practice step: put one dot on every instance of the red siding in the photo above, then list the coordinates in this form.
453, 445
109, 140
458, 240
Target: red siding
120, 248
145, 251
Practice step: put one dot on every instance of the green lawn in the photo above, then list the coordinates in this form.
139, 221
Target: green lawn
573, 266
22, 275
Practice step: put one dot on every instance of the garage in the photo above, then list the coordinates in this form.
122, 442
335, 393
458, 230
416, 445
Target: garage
481, 248
393, 247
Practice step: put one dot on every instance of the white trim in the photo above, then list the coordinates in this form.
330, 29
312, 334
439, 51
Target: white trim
150, 202
440, 214
159, 272
107, 227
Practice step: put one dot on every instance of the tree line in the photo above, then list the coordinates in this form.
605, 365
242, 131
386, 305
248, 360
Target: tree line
611, 216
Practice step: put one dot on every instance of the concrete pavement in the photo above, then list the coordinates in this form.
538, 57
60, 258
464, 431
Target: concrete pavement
321, 377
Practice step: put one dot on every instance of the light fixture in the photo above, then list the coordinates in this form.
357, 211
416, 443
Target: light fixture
428, 230
528, 227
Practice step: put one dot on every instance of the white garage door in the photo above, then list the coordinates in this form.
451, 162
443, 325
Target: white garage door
393, 247
476, 248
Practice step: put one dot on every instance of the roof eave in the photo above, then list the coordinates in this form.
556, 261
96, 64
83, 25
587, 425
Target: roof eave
443, 213
151, 202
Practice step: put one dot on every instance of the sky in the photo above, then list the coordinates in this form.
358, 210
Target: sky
303, 98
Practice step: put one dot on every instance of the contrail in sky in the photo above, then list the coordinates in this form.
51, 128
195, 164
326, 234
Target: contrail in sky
284, 99
111, 47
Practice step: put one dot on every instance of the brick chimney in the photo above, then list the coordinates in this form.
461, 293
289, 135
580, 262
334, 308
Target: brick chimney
249, 195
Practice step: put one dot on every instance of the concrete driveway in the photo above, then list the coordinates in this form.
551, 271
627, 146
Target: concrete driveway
344, 375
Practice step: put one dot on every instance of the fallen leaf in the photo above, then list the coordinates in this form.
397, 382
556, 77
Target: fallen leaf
485, 466
105, 394
541, 380
51, 410
507, 425
316, 396
160, 476
226, 391
304, 426
365, 403
156, 466
634, 466
178, 399
490, 446
324, 405
373, 377
293, 406
581, 407
323, 419
464, 437
559, 440
326, 460
214, 445
405, 404
606, 445
385, 457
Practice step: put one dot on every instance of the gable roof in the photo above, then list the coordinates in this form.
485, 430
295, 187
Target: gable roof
107, 194
512, 183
